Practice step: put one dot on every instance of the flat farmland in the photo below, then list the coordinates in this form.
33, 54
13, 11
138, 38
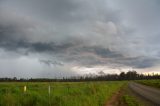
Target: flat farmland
58, 93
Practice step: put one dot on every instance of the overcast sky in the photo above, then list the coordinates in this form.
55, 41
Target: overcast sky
54, 38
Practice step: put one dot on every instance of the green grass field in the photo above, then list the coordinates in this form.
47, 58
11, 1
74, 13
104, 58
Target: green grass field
61, 93
153, 83
131, 101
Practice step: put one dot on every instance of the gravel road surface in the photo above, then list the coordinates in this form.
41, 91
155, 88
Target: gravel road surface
147, 92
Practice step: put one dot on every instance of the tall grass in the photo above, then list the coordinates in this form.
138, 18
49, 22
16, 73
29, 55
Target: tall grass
153, 83
61, 94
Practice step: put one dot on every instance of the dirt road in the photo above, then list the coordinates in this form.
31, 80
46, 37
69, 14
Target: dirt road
149, 93
115, 100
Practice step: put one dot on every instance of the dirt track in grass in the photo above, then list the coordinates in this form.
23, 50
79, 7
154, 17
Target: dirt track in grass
116, 99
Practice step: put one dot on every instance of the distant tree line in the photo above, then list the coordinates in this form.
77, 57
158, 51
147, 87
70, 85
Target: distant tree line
130, 75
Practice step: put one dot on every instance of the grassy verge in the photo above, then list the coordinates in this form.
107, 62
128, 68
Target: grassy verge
131, 101
61, 94
153, 83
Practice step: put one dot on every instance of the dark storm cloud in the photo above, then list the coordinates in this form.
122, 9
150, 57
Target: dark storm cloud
49, 62
146, 63
34, 47
8, 33
104, 53
87, 59
137, 62
75, 53
50, 9
80, 33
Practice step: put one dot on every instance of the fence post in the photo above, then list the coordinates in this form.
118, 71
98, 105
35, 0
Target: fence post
49, 91
25, 88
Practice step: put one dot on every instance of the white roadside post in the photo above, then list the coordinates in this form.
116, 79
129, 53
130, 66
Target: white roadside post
49, 91
25, 88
